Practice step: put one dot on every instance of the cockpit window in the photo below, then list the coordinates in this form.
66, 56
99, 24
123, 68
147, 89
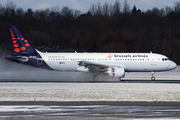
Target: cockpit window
165, 59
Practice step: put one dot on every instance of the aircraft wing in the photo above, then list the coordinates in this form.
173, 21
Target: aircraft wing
93, 66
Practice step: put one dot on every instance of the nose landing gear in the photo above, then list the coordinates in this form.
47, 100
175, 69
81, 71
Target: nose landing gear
152, 76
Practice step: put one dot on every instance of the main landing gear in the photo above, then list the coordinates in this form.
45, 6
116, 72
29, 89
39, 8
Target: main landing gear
152, 76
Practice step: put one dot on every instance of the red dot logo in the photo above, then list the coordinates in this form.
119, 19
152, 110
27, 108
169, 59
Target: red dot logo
15, 45
23, 48
17, 50
27, 44
25, 40
14, 41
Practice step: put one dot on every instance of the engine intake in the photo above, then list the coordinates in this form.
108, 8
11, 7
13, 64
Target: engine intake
116, 72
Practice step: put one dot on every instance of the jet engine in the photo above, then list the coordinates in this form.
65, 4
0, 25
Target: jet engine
116, 72
82, 69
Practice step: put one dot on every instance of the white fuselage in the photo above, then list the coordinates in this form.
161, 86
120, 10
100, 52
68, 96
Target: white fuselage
132, 62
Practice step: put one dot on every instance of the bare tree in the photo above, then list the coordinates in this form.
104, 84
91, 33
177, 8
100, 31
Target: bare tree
66, 12
1, 9
10, 8
126, 7
92, 9
177, 7
99, 9
55, 9
76, 13
117, 7
155, 11
162, 12
29, 12
11, 5
19, 12
111, 12
106, 9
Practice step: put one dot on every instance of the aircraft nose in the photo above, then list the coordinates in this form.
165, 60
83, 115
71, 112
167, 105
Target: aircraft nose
173, 65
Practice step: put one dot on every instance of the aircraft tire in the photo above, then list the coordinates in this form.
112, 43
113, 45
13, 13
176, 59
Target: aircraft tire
153, 78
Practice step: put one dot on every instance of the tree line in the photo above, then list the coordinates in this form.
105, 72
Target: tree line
103, 28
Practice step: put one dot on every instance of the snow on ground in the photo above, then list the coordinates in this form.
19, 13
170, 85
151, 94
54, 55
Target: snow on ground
89, 92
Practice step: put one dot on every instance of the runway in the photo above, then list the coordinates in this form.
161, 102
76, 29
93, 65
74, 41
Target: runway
90, 110
175, 81
150, 81
126, 99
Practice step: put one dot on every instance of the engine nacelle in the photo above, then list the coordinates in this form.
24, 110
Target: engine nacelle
116, 72
82, 69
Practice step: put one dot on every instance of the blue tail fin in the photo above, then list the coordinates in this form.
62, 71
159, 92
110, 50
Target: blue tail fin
20, 43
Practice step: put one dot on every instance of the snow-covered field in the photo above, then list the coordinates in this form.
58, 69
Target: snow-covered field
89, 92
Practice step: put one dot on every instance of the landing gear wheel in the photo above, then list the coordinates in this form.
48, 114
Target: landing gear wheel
152, 78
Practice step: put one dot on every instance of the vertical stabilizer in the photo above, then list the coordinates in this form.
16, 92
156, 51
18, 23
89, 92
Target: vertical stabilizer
20, 43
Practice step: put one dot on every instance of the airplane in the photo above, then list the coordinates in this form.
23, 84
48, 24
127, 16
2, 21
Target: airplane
112, 64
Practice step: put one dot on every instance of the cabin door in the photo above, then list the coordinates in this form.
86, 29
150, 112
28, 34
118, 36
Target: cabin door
153, 60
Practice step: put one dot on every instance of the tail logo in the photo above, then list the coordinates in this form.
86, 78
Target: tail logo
16, 44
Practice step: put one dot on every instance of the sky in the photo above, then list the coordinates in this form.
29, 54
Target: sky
84, 5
